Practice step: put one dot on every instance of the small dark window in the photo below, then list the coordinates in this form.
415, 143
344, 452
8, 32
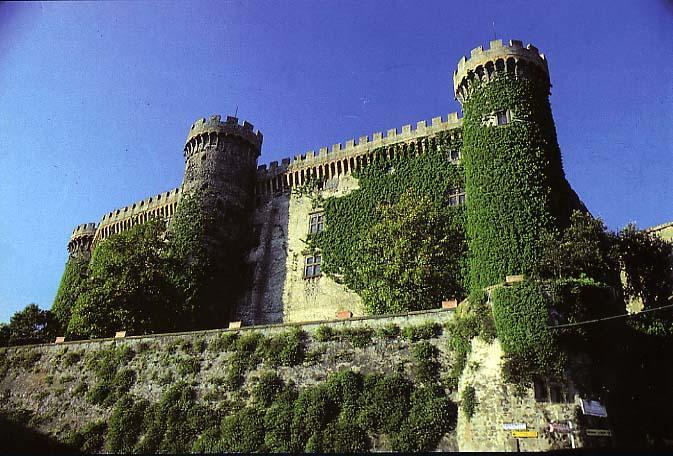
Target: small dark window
312, 266
503, 117
456, 197
455, 155
316, 223
556, 394
540, 390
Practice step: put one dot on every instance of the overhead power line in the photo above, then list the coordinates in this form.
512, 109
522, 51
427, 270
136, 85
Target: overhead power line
579, 323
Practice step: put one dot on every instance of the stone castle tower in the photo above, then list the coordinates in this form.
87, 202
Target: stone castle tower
513, 171
504, 92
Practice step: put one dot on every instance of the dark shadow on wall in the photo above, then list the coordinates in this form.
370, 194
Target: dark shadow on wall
263, 304
17, 438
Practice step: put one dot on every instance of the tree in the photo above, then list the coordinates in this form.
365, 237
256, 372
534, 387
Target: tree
69, 290
129, 286
412, 257
31, 325
585, 247
648, 263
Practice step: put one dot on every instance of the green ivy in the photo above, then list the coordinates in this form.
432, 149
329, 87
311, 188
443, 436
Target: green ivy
513, 177
357, 223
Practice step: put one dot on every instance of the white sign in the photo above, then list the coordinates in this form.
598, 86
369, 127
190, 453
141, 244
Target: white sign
561, 428
599, 432
593, 408
514, 426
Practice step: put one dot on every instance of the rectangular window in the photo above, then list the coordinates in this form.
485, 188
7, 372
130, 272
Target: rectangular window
316, 223
455, 155
540, 389
312, 266
556, 394
503, 117
456, 197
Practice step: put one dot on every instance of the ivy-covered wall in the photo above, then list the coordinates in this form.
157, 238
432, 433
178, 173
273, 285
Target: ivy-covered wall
513, 176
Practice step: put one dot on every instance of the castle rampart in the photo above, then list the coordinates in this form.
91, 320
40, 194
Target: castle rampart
81, 239
162, 205
484, 64
343, 159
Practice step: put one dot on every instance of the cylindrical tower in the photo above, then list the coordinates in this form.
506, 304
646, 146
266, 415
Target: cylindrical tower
81, 241
514, 178
213, 223
222, 157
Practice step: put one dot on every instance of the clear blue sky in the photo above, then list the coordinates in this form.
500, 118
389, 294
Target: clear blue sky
96, 98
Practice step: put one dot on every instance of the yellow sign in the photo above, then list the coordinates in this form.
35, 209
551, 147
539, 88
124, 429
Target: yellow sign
524, 434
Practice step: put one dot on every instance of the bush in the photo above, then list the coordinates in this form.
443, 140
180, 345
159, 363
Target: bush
125, 425
470, 321
430, 416
223, 342
427, 330
384, 402
285, 349
426, 362
243, 432
468, 401
72, 358
389, 331
90, 439
358, 337
188, 366
324, 333
521, 317
267, 389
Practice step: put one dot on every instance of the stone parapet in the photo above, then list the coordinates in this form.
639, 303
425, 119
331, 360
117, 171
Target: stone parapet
85, 229
208, 131
498, 57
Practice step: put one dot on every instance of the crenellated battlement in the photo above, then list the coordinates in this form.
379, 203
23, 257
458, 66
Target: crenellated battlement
84, 230
343, 158
162, 205
483, 64
209, 132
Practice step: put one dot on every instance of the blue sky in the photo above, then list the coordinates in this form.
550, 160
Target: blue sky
96, 98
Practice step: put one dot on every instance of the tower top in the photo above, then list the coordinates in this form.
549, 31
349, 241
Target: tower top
481, 58
85, 229
214, 125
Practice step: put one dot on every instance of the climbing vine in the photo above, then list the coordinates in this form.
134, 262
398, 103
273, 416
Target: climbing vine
513, 176
396, 240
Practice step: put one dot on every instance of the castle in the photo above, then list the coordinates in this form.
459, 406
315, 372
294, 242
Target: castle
287, 284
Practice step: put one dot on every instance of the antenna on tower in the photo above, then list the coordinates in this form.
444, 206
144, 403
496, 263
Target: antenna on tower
494, 35
236, 113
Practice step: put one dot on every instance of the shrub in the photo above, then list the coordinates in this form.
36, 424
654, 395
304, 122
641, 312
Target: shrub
125, 425
426, 363
72, 358
384, 402
285, 349
267, 389
389, 331
427, 330
521, 317
278, 426
243, 431
358, 337
468, 401
430, 416
324, 333
188, 366
124, 380
90, 439
224, 342
314, 355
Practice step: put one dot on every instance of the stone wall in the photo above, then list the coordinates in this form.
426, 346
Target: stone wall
499, 403
50, 383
